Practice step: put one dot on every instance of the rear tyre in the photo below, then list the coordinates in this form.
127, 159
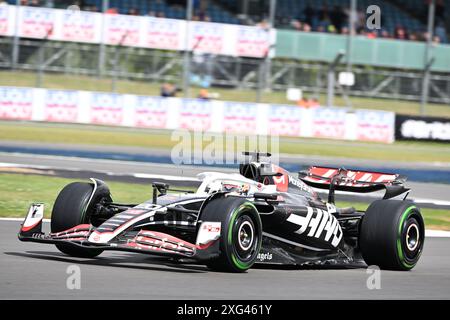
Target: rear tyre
392, 234
71, 208
241, 233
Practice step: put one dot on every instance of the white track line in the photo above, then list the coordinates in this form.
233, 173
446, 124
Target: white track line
163, 176
19, 219
437, 234
428, 233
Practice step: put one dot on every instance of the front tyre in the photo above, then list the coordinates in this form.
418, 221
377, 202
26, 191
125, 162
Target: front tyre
241, 233
71, 208
392, 234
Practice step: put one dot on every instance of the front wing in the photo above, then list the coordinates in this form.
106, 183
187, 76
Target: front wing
142, 241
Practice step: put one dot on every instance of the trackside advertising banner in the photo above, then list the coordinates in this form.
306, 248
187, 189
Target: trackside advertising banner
422, 128
104, 108
135, 31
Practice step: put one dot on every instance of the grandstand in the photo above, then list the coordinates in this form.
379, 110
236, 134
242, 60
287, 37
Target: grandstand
409, 15
287, 10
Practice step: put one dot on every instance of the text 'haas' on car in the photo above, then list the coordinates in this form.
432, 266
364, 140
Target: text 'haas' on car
263, 214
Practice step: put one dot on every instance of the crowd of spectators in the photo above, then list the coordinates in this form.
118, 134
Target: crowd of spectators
336, 20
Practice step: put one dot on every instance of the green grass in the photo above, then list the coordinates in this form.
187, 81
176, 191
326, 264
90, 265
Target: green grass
436, 219
18, 191
76, 82
102, 135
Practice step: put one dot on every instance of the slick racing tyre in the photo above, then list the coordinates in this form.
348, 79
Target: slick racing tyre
241, 233
392, 234
71, 208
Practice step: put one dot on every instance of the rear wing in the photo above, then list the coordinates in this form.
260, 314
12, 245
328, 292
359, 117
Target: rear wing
353, 181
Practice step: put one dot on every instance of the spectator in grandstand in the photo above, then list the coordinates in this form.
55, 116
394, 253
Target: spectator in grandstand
360, 20
436, 39
297, 25
201, 15
412, 36
306, 27
385, 34
331, 28
371, 34
440, 32
34, 3
400, 33
325, 21
112, 11
133, 12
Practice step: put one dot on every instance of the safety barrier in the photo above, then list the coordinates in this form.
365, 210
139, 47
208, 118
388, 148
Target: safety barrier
35, 104
421, 128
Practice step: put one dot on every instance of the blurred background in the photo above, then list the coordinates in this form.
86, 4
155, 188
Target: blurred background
96, 87
291, 44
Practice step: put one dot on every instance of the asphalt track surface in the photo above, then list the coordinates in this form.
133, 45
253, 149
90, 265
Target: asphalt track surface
126, 152
39, 271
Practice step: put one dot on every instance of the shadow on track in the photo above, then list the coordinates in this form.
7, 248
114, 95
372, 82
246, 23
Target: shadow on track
164, 264
122, 261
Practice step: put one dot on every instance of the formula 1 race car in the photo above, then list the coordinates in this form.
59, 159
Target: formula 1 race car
264, 214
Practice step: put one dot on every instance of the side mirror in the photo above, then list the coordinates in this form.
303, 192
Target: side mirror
159, 187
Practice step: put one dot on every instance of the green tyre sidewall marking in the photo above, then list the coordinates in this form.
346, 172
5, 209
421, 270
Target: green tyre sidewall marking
399, 238
237, 263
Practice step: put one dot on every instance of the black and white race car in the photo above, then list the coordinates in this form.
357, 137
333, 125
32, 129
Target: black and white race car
263, 214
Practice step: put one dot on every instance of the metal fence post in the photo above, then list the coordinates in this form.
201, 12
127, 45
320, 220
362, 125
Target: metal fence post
187, 56
268, 61
41, 60
102, 47
259, 84
351, 34
264, 68
331, 78
15, 46
427, 63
